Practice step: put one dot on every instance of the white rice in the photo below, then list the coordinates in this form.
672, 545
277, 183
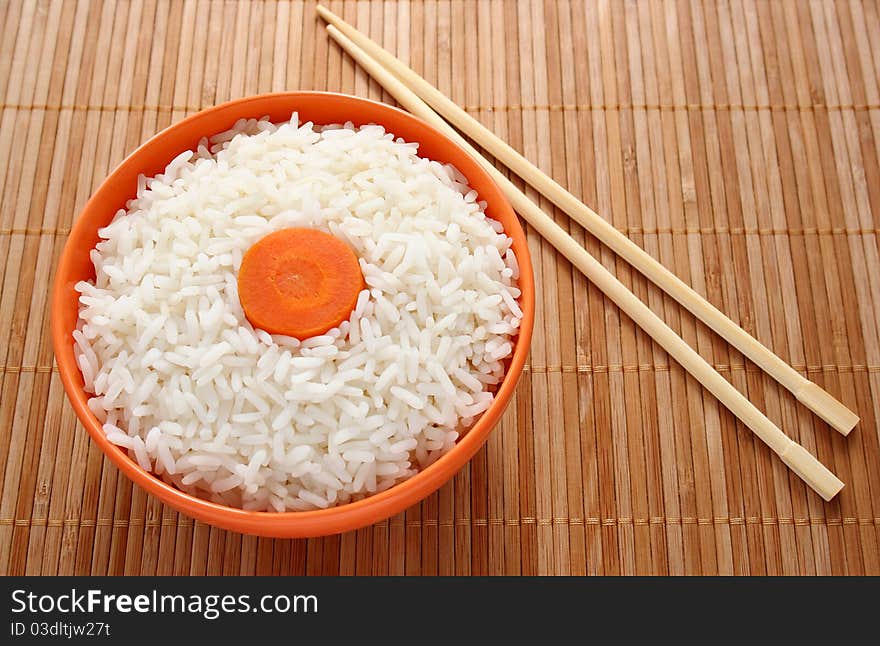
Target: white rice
195, 394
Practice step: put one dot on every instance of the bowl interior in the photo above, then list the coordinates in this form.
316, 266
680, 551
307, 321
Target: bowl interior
150, 159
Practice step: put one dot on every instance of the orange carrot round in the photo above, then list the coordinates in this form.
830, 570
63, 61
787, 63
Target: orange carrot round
299, 282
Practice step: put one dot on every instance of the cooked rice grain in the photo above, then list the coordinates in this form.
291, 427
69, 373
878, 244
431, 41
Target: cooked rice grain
185, 384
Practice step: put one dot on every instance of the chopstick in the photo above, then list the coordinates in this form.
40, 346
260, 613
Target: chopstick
805, 465
811, 395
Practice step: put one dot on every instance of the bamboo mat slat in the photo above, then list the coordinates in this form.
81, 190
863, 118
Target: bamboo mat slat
737, 142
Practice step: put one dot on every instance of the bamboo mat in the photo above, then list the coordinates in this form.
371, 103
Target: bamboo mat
737, 141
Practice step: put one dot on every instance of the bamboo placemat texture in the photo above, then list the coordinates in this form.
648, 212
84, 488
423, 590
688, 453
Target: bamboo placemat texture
737, 141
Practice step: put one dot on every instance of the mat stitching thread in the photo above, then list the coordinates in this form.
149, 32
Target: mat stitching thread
722, 230
634, 230
476, 522
516, 107
35, 232
586, 369
668, 107
721, 367
15, 370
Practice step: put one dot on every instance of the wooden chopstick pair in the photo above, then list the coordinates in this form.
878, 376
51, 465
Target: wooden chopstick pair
415, 93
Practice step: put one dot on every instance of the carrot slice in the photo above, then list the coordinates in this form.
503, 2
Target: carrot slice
299, 282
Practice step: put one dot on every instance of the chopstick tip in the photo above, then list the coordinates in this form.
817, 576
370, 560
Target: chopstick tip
324, 12
338, 37
838, 416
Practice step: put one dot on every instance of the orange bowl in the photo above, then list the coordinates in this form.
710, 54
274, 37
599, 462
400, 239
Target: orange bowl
150, 159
